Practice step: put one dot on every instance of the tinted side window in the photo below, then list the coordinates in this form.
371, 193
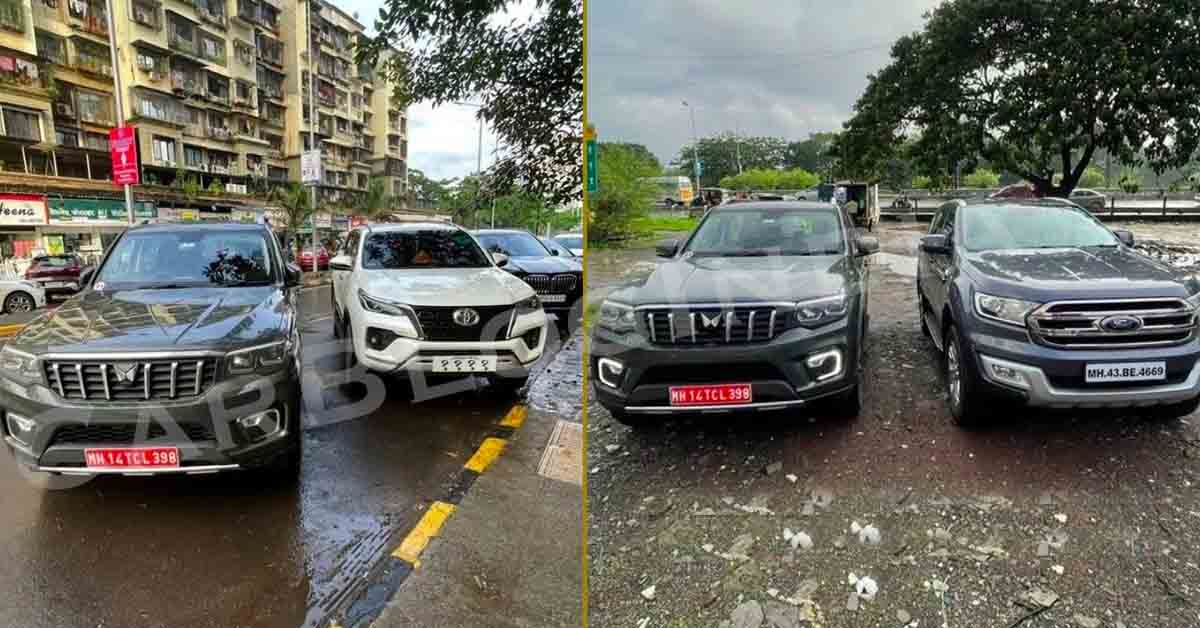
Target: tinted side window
948, 223
939, 217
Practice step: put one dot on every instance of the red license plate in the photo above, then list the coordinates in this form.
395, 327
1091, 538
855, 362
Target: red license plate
711, 395
133, 457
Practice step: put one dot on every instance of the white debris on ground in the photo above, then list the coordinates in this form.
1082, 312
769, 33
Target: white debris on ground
649, 592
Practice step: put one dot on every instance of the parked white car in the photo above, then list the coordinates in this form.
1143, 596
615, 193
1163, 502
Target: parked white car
21, 296
427, 297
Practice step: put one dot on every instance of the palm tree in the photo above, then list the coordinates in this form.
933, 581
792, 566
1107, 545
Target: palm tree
376, 202
297, 208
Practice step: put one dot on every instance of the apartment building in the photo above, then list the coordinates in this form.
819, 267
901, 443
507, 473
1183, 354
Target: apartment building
218, 90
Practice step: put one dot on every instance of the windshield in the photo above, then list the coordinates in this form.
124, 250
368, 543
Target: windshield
769, 232
988, 227
571, 242
513, 244
442, 248
555, 246
186, 259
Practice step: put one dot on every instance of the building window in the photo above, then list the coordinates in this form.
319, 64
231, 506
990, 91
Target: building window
92, 58
25, 125
193, 157
147, 13
94, 108
159, 108
164, 150
212, 48
51, 47
12, 15
243, 51
95, 141
67, 137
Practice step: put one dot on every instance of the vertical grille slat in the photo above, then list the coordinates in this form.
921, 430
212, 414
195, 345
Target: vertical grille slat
135, 380
738, 324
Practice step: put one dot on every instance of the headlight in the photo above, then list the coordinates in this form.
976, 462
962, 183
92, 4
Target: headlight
263, 359
406, 319
1194, 301
20, 366
823, 311
617, 317
529, 306
1003, 309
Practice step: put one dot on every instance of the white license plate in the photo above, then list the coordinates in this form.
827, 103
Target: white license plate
1125, 372
554, 298
464, 364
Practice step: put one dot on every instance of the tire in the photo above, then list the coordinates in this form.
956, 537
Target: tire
563, 323
964, 392
337, 320
849, 404
1172, 411
921, 313
285, 469
18, 301
349, 357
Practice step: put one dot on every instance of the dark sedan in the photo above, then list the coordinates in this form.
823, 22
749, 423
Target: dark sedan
557, 279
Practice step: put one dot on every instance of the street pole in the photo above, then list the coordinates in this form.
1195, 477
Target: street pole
120, 100
312, 130
695, 149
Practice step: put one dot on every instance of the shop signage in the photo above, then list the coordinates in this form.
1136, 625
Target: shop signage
104, 211
322, 220
122, 143
310, 167
22, 209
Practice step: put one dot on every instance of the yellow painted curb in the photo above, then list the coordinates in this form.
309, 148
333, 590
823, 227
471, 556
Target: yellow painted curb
486, 455
428, 527
10, 330
515, 417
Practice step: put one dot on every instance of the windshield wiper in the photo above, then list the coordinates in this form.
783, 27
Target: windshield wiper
244, 282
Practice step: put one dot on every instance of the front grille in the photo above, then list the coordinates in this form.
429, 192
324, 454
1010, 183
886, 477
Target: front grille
131, 381
552, 284
437, 323
124, 433
712, 325
1079, 324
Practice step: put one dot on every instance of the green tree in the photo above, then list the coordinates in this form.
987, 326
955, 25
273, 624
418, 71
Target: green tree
376, 201
762, 179
897, 174
428, 190
625, 192
527, 75
812, 154
1130, 182
295, 205
1035, 88
982, 178
1093, 177
922, 182
721, 155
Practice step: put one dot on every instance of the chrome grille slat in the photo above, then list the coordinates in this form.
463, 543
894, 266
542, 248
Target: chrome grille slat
671, 323
713, 323
92, 380
552, 284
750, 327
650, 321
1077, 324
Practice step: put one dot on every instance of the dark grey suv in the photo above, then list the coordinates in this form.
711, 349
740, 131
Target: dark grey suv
763, 307
1038, 301
180, 355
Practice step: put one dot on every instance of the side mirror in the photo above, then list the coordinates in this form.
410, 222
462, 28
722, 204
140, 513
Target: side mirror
936, 243
85, 275
341, 262
500, 258
554, 252
667, 248
292, 276
1125, 236
866, 245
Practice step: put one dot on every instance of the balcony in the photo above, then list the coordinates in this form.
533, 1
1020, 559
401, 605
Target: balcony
220, 133
194, 130
93, 65
12, 16
186, 85
210, 17
181, 43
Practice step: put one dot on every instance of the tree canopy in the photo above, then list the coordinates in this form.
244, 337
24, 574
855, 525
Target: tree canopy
1034, 88
760, 179
625, 192
527, 77
720, 156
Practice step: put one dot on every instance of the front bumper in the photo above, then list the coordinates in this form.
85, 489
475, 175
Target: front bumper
203, 428
1054, 378
775, 370
513, 356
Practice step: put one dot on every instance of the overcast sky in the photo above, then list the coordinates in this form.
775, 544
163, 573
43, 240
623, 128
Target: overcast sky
442, 142
759, 67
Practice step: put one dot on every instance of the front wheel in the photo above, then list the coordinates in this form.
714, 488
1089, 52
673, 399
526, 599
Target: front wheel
849, 404
18, 302
963, 387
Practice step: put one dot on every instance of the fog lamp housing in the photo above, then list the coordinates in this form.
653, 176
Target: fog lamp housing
825, 365
20, 427
380, 339
610, 372
261, 425
1005, 374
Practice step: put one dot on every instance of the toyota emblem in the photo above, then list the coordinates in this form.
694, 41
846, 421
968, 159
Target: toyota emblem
466, 317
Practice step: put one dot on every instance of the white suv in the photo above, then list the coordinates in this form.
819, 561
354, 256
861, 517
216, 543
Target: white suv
427, 297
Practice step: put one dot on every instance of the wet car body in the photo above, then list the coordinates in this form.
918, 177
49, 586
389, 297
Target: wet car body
709, 321
557, 279
136, 368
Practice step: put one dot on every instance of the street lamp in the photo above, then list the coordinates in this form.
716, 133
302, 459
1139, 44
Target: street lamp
695, 148
479, 153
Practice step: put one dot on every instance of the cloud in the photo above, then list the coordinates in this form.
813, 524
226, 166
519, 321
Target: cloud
756, 67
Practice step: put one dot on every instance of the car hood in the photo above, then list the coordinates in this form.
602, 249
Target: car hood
542, 265
739, 280
445, 286
160, 320
1093, 272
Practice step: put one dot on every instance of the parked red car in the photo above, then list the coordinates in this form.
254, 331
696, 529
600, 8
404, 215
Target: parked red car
306, 259
56, 273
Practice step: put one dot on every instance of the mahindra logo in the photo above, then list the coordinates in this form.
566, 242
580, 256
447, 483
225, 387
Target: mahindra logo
1121, 322
710, 323
125, 373
466, 317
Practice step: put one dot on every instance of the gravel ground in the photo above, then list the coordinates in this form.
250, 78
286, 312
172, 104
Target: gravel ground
898, 518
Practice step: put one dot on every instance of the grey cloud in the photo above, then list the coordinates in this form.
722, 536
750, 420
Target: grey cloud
760, 67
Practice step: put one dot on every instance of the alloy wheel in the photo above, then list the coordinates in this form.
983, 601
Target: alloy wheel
953, 374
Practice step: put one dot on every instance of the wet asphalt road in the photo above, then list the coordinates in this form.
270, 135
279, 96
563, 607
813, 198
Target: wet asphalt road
226, 550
